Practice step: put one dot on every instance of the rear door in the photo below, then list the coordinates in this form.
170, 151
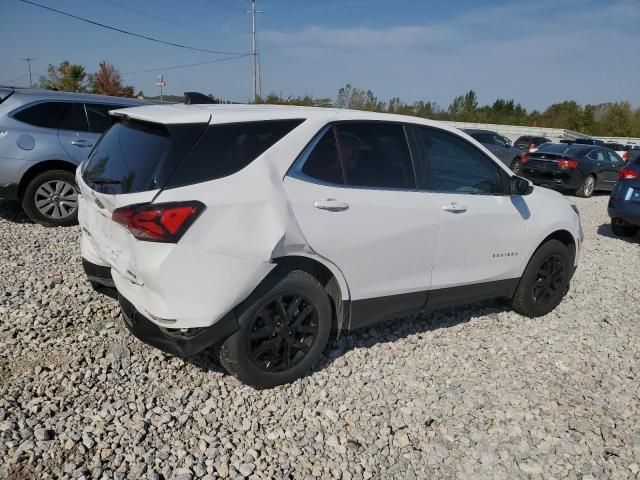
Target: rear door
353, 192
613, 164
74, 134
482, 232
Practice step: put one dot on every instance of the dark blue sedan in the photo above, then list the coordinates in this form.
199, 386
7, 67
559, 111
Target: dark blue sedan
624, 204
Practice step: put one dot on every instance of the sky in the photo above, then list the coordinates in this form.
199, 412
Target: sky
536, 52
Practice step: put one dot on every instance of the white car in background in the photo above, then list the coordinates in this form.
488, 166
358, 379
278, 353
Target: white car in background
262, 228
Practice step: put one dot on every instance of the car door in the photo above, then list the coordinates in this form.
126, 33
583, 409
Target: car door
482, 233
353, 192
613, 164
74, 134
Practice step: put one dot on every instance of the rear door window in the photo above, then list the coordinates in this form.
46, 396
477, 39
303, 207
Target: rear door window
43, 114
75, 120
227, 148
99, 118
323, 163
127, 156
453, 165
375, 154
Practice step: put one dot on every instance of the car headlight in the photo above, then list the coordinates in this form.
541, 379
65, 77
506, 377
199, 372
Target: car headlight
575, 209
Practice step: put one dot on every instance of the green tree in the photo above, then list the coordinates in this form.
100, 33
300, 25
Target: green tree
65, 77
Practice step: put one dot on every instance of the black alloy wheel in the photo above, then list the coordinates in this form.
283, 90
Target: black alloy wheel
549, 280
282, 332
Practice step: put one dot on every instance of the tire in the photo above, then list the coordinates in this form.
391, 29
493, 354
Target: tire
515, 166
622, 229
587, 188
536, 296
266, 351
47, 196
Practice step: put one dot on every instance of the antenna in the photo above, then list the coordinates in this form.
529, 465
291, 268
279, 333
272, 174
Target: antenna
29, 60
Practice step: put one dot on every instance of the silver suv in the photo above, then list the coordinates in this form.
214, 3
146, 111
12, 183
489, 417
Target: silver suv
44, 136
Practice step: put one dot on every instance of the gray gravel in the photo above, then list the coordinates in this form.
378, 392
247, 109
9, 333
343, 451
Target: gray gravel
475, 392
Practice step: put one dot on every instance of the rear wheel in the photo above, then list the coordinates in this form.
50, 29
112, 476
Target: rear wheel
587, 188
622, 229
283, 330
51, 199
545, 280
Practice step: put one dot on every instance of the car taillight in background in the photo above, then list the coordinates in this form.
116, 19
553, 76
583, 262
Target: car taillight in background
524, 159
567, 163
628, 174
532, 148
161, 222
625, 156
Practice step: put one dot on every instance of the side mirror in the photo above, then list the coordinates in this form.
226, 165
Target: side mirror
520, 186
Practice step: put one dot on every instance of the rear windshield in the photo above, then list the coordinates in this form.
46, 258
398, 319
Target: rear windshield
135, 156
125, 159
226, 149
562, 148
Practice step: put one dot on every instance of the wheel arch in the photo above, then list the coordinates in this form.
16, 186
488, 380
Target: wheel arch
563, 236
329, 276
42, 167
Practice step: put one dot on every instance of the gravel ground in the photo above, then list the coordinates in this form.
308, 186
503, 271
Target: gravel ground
476, 392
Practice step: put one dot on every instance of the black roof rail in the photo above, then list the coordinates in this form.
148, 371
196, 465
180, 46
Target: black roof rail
197, 98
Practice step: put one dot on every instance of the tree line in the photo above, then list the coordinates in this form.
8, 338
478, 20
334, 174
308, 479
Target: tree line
613, 119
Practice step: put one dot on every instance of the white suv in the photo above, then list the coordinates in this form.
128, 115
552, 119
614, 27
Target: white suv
260, 229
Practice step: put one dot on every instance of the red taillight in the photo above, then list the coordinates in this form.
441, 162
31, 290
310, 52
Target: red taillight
532, 147
567, 163
524, 159
628, 174
161, 222
625, 156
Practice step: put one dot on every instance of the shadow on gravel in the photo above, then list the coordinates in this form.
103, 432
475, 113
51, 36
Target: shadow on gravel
605, 231
11, 210
386, 332
392, 330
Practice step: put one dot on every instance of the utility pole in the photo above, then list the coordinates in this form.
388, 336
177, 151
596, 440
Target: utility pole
29, 60
161, 83
254, 54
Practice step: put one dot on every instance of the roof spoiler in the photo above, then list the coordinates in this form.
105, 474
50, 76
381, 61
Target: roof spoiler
197, 98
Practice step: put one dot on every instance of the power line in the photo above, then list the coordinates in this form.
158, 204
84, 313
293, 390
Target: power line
150, 15
175, 67
14, 79
130, 33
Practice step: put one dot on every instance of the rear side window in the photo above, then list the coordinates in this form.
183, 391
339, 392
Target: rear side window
375, 155
75, 119
371, 154
453, 165
226, 149
126, 158
323, 163
99, 118
45, 114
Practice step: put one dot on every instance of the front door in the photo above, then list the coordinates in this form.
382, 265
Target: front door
482, 229
353, 192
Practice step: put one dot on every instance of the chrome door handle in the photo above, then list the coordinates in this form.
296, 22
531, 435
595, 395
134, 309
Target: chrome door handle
331, 205
454, 208
82, 143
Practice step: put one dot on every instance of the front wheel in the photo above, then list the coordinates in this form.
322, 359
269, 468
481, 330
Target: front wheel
587, 188
283, 330
51, 199
545, 280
